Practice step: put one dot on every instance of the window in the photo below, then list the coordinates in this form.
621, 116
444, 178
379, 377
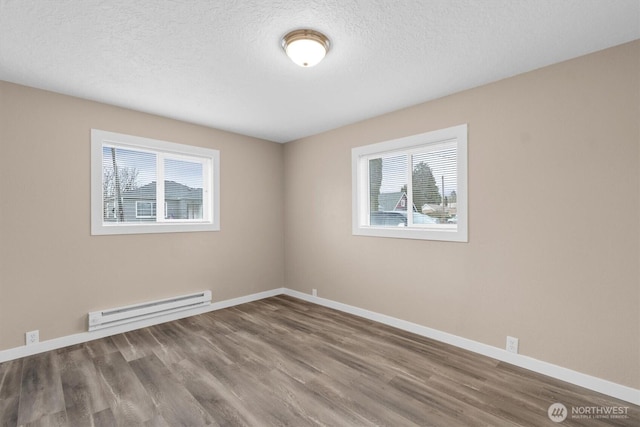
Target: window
131, 176
145, 209
413, 187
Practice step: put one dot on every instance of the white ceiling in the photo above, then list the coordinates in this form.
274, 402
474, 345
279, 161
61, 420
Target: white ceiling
219, 63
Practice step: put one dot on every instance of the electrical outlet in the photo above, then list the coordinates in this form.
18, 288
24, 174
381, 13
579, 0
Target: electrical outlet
32, 337
512, 345
314, 292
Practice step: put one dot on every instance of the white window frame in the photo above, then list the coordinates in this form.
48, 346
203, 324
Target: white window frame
360, 157
137, 209
209, 158
111, 211
166, 210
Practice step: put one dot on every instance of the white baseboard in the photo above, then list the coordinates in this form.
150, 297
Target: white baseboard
609, 388
42, 346
599, 385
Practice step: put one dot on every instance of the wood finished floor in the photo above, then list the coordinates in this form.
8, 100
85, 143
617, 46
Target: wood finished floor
280, 361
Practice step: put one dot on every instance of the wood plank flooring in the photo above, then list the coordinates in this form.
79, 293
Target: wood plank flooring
281, 361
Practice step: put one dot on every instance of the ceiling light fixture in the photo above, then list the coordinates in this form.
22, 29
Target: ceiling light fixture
305, 47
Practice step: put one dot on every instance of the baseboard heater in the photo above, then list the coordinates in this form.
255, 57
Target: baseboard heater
132, 313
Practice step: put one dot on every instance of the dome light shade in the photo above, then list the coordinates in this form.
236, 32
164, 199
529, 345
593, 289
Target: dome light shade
305, 47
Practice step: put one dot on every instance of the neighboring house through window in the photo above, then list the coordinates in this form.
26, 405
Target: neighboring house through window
180, 202
131, 176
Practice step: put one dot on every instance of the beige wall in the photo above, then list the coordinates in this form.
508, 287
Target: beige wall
554, 218
52, 271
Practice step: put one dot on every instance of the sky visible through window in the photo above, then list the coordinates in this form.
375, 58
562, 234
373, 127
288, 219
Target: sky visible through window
184, 172
441, 162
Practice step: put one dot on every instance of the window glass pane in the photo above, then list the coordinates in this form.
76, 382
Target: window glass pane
434, 178
183, 189
388, 191
128, 177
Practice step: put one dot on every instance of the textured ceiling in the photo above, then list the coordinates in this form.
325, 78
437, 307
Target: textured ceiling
219, 62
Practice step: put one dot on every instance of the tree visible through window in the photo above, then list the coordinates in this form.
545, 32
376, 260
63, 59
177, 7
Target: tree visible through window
416, 183
121, 175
